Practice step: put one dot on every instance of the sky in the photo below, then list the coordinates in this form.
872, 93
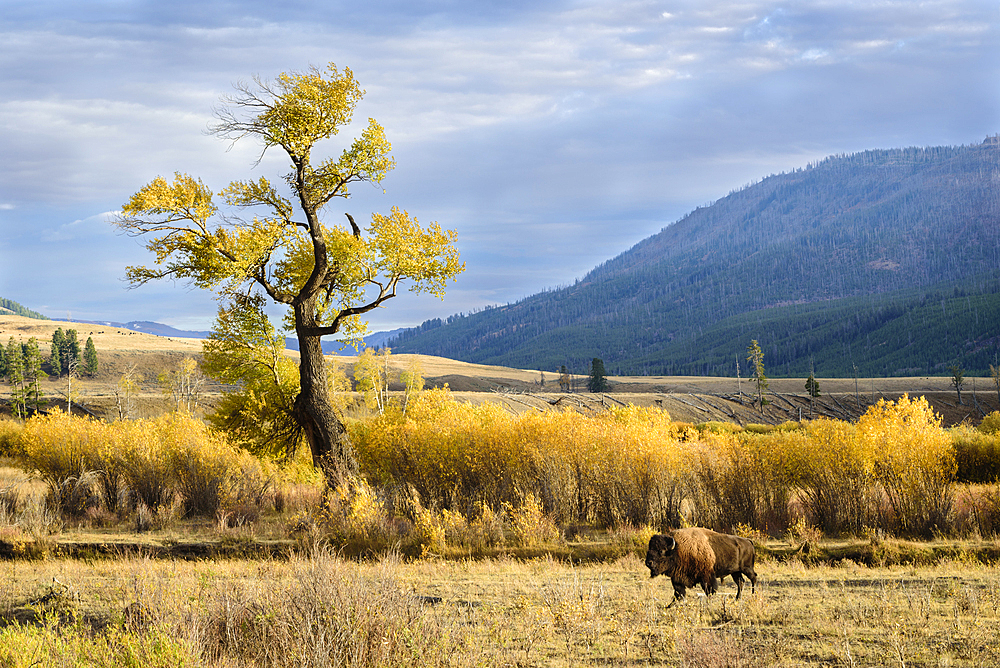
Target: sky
552, 136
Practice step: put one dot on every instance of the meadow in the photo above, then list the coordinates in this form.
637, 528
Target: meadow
318, 609
483, 537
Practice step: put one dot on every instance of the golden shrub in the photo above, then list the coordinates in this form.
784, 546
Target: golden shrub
838, 481
748, 478
977, 453
452, 454
529, 524
58, 446
914, 462
990, 423
10, 432
148, 463
428, 533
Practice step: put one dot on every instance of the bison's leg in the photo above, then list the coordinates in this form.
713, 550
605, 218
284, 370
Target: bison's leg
752, 575
710, 585
738, 579
679, 592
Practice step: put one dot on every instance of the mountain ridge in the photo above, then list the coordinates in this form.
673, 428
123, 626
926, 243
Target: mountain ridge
869, 226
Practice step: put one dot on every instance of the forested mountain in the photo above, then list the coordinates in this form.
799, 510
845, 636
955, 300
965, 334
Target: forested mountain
887, 260
11, 307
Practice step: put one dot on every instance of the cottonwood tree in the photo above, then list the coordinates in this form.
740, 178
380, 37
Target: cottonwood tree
183, 384
756, 358
71, 395
325, 276
564, 379
125, 391
244, 350
412, 378
958, 380
374, 375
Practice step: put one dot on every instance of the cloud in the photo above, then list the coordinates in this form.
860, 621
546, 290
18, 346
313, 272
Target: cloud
83, 228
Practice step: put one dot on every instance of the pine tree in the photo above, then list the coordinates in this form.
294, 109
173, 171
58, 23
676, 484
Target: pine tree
12, 358
55, 351
90, 357
597, 382
812, 387
70, 350
32, 374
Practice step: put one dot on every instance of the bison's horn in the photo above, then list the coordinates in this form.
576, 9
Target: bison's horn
670, 544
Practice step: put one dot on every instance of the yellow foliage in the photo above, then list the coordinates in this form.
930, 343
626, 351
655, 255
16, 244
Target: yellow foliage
374, 375
915, 461
633, 466
529, 525
150, 460
58, 445
405, 249
977, 453
839, 476
10, 432
748, 478
605, 468
990, 423
428, 532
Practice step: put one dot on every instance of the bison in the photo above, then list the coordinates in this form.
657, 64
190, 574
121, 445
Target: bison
701, 556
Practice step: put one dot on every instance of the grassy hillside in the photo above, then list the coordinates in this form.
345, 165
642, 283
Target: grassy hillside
880, 236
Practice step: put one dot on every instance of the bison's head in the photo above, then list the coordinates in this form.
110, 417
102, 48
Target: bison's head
660, 555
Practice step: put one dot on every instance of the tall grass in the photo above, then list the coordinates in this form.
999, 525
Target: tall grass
323, 615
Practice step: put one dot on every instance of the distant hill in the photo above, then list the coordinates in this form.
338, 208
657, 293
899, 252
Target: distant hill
885, 260
156, 328
375, 340
13, 308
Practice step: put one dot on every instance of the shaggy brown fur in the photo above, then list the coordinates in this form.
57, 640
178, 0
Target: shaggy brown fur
701, 556
695, 560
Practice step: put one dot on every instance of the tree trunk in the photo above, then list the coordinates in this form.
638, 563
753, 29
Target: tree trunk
331, 448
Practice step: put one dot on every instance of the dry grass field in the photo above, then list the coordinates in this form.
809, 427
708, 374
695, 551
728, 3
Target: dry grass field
321, 610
